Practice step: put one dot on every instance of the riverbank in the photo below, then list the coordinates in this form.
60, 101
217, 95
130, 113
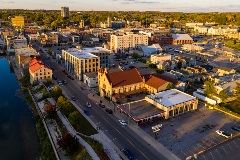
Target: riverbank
46, 147
19, 138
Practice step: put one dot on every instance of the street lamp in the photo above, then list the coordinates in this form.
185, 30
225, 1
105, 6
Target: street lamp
129, 109
156, 130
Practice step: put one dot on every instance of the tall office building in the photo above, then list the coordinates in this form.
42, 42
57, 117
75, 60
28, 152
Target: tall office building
109, 22
127, 40
65, 12
81, 25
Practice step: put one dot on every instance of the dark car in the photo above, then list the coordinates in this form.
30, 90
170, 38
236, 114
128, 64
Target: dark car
73, 98
54, 77
87, 112
68, 76
236, 128
128, 153
109, 111
64, 82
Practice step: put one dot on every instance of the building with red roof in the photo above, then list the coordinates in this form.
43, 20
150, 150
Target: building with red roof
39, 71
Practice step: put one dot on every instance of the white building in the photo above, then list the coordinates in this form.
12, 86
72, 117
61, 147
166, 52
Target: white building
91, 79
79, 62
173, 102
127, 40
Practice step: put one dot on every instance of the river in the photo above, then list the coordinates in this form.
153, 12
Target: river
18, 136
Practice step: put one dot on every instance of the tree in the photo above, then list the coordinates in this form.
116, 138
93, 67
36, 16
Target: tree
74, 118
223, 95
56, 92
135, 55
50, 52
179, 65
169, 86
50, 110
65, 106
234, 41
209, 88
68, 143
237, 88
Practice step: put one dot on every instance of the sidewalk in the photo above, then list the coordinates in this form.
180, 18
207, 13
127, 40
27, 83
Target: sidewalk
134, 127
109, 147
69, 127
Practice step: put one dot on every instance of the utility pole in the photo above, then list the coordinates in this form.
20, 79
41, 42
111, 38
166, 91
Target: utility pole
129, 109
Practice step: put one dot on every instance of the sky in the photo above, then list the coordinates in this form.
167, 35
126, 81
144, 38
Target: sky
127, 5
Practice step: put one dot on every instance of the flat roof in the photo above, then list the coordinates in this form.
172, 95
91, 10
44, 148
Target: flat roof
92, 74
26, 51
171, 97
80, 53
140, 109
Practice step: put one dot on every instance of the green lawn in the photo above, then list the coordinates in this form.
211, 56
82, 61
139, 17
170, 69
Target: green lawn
233, 106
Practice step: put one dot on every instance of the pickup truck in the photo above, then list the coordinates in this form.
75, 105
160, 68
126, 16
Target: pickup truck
223, 134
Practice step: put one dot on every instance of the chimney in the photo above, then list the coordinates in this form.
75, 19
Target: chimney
105, 70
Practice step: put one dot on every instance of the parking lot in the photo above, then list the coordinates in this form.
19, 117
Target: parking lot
228, 150
128, 63
193, 132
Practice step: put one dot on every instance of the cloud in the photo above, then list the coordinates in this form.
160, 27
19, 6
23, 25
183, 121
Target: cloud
139, 2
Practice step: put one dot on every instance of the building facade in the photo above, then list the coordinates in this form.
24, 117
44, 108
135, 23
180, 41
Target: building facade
65, 12
39, 71
79, 62
173, 102
122, 82
127, 40
19, 21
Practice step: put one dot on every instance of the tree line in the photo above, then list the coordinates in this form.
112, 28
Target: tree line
52, 18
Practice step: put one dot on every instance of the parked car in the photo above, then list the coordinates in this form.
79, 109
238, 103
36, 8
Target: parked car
60, 83
109, 111
102, 105
122, 122
73, 98
236, 128
128, 153
87, 112
64, 82
54, 77
88, 105
49, 88
223, 134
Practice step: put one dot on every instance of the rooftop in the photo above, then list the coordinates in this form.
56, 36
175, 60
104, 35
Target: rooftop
140, 109
122, 78
26, 51
171, 97
181, 37
80, 53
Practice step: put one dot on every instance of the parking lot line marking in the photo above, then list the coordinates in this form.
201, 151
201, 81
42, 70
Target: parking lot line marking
235, 144
219, 154
204, 156
229, 147
224, 150
211, 155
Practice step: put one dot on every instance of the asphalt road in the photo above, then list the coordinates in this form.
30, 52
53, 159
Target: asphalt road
122, 137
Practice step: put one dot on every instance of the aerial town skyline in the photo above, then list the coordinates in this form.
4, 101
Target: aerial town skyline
127, 5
